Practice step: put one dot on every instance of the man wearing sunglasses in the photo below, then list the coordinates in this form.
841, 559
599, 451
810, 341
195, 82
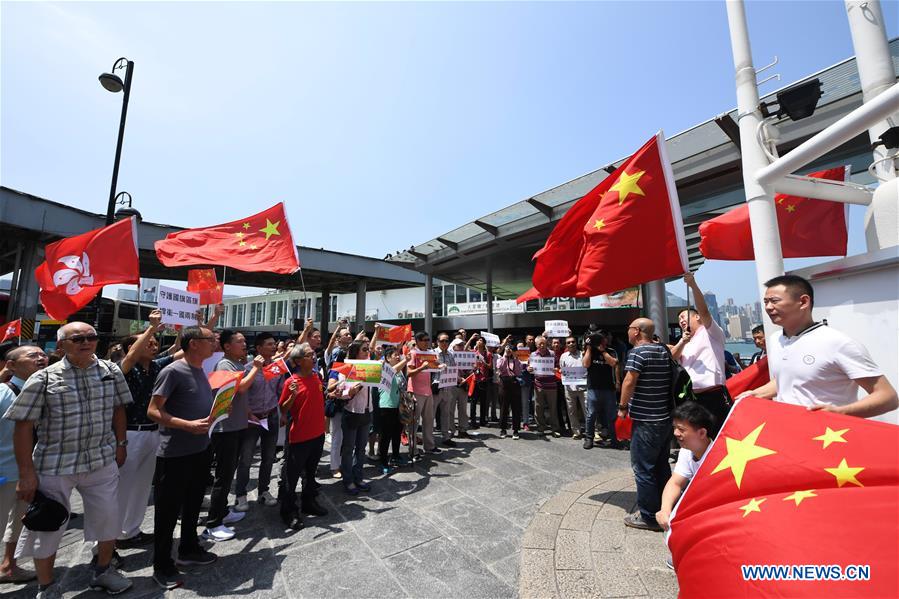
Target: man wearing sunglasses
77, 406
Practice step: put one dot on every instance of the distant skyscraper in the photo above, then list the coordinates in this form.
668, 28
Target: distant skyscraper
737, 326
712, 302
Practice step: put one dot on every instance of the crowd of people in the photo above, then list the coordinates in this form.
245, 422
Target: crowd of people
121, 430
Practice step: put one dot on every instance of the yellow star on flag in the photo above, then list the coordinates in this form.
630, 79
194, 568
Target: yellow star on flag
831, 436
627, 185
845, 474
753, 506
252, 246
599, 224
246, 225
270, 229
798, 496
791, 208
242, 243
740, 452
240, 234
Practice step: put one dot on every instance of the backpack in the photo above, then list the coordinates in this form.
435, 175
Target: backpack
681, 385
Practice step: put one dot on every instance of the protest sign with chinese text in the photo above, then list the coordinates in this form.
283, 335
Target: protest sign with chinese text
523, 355
367, 372
542, 365
574, 375
556, 328
465, 360
427, 356
449, 377
387, 374
490, 339
178, 306
224, 395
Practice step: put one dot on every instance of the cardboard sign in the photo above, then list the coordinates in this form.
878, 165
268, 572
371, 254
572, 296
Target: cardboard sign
542, 365
490, 339
387, 375
465, 360
367, 372
523, 355
556, 328
449, 377
427, 356
574, 375
177, 306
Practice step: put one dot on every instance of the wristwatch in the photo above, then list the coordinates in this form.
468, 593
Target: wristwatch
122, 443
623, 407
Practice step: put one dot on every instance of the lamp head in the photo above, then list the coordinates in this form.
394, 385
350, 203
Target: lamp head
111, 82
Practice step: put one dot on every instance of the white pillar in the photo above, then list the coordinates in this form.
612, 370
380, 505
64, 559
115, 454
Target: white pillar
760, 198
655, 306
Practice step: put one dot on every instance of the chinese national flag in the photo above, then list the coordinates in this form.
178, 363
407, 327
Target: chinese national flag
75, 269
343, 368
220, 378
395, 335
624, 232
258, 243
751, 377
12, 329
204, 282
275, 369
807, 227
783, 486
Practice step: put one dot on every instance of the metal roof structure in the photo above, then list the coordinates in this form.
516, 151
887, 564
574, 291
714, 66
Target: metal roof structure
706, 164
28, 219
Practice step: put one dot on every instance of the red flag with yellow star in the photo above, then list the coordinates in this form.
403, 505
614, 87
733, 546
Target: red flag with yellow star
808, 227
204, 282
261, 242
791, 503
624, 232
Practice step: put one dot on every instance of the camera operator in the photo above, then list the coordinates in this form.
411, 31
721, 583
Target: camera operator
601, 362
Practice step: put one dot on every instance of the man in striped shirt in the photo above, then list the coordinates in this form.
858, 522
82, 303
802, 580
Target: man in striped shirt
646, 395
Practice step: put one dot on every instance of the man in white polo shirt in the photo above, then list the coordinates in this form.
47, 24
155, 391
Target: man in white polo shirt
814, 365
700, 351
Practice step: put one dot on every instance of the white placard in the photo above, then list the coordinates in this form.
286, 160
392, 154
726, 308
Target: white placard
490, 339
387, 375
465, 360
556, 328
574, 375
542, 365
178, 306
449, 377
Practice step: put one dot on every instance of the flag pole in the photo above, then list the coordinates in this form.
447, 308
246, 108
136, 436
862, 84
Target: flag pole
139, 319
303, 284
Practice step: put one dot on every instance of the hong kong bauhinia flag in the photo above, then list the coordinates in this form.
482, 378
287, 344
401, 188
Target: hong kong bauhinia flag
77, 268
261, 242
624, 232
275, 369
808, 227
791, 503
11, 330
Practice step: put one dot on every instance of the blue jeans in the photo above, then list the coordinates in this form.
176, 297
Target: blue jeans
650, 444
601, 403
355, 438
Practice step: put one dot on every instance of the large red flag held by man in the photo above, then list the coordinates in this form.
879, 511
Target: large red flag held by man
808, 227
624, 232
76, 268
204, 282
261, 242
751, 377
791, 503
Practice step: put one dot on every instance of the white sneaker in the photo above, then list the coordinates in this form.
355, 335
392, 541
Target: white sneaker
233, 517
241, 505
268, 499
219, 533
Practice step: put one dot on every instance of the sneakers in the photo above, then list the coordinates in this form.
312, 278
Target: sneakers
336, 474
138, 540
168, 578
557, 434
293, 521
576, 435
51, 592
267, 499
111, 581
242, 505
588, 442
515, 436
233, 516
219, 533
196, 558
669, 561
597, 437
502, 434
636, 520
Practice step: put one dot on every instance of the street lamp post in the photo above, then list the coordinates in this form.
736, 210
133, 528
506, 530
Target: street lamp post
112, 83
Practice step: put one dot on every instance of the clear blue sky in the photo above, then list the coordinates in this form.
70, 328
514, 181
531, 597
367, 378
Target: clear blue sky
424, 115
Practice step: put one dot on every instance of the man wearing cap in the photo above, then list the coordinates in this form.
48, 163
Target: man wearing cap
77, 406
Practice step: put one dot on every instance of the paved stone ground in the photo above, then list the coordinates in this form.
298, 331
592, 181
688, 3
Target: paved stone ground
452, 526
578, 546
